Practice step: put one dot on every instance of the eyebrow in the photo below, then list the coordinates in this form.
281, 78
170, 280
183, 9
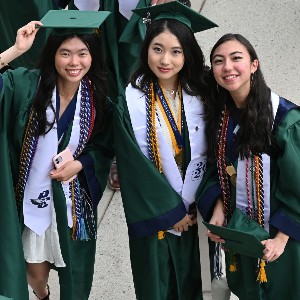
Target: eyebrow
158, 44
232, 53
65, 49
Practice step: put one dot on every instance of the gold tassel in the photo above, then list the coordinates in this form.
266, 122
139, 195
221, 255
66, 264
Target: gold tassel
233, 263
262, 276
161, 234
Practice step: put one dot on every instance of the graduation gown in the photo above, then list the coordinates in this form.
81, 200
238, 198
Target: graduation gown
282, 274
168, 268
16, 96
13, 15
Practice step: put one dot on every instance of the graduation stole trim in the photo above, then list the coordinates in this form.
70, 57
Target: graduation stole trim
31, 159
194, 110
252, 177
175, 128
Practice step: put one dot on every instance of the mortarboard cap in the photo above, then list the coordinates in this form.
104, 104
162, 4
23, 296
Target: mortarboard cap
74, 21
242, 235
178, 11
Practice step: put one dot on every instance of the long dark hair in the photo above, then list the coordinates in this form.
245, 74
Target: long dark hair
256, 123
97, 75
192, 75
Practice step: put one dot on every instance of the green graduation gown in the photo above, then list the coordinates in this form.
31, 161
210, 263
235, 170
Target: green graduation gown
283, 275
13, 15
16, 96
167, 268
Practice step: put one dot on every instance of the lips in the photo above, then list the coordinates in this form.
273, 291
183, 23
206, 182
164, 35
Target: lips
164, 70
230, 77
73, 72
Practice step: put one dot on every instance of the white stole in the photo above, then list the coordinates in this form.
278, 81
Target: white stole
38, 194
194, 111
241, 190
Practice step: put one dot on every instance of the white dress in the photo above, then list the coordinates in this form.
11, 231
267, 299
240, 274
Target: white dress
45, 247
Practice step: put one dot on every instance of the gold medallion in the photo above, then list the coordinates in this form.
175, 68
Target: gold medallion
232, 173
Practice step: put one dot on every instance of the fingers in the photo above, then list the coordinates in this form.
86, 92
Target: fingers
273, 249
215, 238
184, 224
181, 227
30, 28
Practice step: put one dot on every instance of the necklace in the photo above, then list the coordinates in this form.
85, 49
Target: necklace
69, 95
172, 91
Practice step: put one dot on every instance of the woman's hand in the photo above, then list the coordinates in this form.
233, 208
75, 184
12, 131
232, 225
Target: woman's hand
275, 247
218, 219
26, 36
68, 170
184, 224
24, 40
193, 215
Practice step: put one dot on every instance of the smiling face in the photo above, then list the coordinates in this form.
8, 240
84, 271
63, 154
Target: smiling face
166, 58
232, 68
72, 61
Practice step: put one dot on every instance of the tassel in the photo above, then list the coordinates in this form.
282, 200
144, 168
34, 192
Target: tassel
218, 262
83, 232
161, 234
262, 276
233, 262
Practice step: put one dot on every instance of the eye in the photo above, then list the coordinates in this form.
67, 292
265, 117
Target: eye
217, 61
83, 53
157, 49
237, 57
64, 54
177, 52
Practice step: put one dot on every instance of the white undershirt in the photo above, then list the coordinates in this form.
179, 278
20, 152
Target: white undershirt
125, 6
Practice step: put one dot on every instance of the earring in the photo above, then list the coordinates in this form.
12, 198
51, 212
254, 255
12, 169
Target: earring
251, 79
218, 88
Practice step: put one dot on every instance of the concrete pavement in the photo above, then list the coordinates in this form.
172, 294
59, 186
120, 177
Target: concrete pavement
273, 27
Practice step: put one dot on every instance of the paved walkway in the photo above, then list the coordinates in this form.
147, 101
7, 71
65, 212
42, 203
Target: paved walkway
274, 28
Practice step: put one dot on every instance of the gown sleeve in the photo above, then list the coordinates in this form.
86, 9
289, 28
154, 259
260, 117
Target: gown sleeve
208, 192
96, 160
150, 203
11, 250
287, 191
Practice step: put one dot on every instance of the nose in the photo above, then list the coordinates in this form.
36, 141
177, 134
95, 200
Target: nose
74, 60
227, 65
165, 59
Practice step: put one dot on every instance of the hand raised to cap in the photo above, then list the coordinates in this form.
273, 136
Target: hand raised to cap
26, 35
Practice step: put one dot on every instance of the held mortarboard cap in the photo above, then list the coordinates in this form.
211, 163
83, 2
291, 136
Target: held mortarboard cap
74, 21
242, 235
178, 11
